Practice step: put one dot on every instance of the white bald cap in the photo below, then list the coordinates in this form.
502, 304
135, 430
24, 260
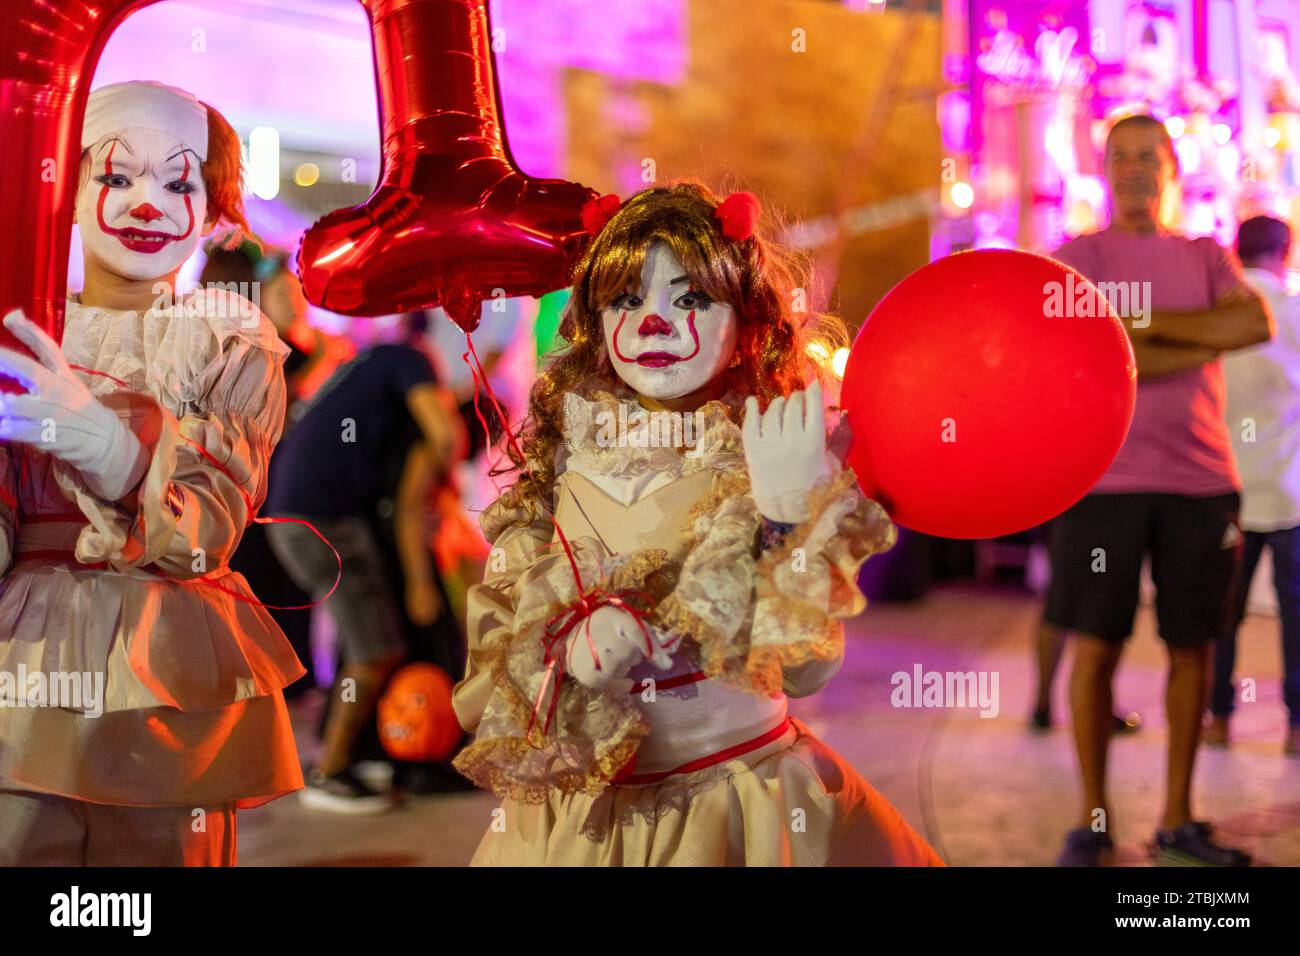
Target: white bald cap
145, 104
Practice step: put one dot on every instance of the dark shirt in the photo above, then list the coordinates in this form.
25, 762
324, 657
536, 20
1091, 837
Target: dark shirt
332, 463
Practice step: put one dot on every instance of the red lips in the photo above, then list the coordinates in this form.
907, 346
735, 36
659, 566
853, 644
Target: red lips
657, 359
142, 240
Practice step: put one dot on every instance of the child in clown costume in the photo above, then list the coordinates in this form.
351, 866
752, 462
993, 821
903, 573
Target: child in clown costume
628, 679
131, 463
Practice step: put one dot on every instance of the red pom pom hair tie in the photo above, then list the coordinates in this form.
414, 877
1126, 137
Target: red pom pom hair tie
597, 212
738, 215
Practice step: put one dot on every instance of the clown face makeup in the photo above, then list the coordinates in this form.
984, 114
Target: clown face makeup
667, 339
142, 207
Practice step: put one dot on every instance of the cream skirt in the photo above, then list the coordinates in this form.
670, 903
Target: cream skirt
794, 802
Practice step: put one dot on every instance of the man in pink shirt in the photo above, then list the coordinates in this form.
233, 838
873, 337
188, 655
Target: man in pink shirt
1171, 493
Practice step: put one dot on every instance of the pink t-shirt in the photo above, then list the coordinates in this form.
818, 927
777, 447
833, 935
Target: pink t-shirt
1178, 442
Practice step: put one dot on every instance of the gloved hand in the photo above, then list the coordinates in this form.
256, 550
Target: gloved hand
58, 407
620, 645
785, 449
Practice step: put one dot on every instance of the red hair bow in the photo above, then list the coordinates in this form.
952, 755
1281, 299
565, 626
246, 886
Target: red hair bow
738, 214
597, 212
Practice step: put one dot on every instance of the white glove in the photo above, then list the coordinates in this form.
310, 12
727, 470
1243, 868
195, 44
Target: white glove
620, 645
58, 407
785, 449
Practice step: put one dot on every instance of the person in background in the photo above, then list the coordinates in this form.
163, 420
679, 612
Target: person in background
1049, 641
506, 348
261, 274
1049, 645
1171, 492
407, 520
331, 472
1264, 419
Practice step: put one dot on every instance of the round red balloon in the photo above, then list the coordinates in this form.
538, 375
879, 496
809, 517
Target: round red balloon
416, 719
987, 392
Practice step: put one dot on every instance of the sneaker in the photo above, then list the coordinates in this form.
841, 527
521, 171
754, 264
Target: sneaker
375, 774
1084, 846
1191, 845
344, 792
1215, 733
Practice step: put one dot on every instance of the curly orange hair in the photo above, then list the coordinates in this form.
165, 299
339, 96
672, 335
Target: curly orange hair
762, 281
223, 173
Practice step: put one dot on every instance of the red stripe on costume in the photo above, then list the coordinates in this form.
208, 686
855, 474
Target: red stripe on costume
712, 759
134, 546
91, 371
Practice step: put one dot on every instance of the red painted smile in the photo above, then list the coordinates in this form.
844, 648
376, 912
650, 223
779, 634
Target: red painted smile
141, 240
147, 241
657, 359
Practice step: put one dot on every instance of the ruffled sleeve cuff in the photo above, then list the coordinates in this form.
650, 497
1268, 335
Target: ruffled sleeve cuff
207, 470
806, 584
115, 535
506, 696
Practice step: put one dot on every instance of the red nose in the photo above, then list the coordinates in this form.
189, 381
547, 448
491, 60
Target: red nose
654, 325
146, 212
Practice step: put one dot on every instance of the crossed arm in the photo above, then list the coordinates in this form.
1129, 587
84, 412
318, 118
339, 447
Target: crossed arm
1174, 341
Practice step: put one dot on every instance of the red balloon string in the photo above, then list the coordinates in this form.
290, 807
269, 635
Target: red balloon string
480, 376
554, 639
248, 504
588, 601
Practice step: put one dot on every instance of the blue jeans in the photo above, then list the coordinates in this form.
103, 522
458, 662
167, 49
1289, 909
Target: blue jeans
1285, 546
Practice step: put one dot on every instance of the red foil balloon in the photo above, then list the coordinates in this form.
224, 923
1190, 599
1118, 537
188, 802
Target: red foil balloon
977, 408
48, 51
453, 221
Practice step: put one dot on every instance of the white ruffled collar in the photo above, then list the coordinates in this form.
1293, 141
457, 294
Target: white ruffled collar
617, 436
226, 313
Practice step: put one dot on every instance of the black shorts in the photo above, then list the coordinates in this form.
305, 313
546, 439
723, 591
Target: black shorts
1097, 549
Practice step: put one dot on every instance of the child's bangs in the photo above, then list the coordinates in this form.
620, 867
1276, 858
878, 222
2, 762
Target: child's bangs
619, 268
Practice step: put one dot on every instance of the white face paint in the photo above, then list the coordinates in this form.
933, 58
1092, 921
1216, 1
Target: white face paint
666, 339
142, 208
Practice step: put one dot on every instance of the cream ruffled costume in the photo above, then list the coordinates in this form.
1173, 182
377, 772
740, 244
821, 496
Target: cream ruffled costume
192, 707
701, 764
